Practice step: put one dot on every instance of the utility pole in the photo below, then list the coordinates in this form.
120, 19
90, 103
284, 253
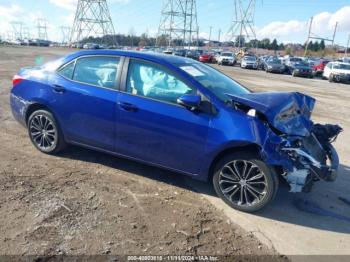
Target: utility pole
92, 19
243, 23
347, 47
178, 22
210, 30
311, 36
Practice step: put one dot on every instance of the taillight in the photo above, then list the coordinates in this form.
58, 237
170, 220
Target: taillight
16, 80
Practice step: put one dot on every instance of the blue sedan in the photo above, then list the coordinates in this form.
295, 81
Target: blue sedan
178, 114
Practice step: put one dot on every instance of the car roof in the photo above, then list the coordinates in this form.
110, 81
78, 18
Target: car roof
340, 63
152, 56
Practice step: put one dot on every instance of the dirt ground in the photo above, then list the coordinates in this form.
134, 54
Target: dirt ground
87, 203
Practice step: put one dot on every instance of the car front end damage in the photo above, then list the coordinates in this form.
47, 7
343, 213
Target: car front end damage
300, 150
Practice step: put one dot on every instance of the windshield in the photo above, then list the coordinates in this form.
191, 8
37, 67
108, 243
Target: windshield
219, 84
342, 66
227, 54
302, 63
274, 61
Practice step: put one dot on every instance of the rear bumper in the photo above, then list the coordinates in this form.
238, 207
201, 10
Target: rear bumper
19, 108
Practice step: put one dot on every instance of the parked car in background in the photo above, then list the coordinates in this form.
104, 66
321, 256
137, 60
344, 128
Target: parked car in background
289, 62
318, 67
207, 58
262, 62
311, 60
180, 52
337, 72
249, 62
194, 54
91, 46
274, 65
179, 114
227, 58
302, 69
168, 52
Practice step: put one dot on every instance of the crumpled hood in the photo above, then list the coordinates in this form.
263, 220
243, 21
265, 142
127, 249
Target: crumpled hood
287, 112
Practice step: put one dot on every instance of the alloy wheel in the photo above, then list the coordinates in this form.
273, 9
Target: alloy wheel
243, 183
43, 132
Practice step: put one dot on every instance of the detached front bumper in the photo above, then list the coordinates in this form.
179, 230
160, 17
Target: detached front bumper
313, 157
309, 170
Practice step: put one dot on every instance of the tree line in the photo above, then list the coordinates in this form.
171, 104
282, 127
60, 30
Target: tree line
145, 40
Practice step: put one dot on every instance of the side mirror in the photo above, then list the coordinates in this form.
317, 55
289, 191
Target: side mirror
190, 101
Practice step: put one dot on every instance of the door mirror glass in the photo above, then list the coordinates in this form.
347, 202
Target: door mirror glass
190, 101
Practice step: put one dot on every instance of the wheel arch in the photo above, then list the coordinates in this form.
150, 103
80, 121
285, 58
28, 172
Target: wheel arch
251, 147
35, 107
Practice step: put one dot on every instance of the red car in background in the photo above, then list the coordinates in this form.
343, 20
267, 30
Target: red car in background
207, 58
319, 66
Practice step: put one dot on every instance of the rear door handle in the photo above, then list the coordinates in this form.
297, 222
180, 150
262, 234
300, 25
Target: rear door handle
59, 89
128, 106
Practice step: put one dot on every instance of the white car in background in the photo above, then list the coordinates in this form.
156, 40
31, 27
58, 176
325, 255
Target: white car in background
226, 58
337, 72
249, 62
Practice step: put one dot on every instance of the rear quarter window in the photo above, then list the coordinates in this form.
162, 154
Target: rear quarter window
67, 70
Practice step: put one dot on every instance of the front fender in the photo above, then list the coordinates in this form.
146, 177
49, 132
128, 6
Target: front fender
234, 129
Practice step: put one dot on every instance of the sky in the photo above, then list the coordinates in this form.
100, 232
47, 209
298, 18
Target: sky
286, 20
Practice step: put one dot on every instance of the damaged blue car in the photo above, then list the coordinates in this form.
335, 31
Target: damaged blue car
177, 114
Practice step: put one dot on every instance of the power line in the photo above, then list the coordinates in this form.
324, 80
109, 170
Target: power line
92, 18
178, 22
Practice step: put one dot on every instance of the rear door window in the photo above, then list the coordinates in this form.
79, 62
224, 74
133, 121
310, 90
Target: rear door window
98, 71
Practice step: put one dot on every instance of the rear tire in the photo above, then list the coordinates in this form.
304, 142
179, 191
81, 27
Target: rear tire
45, 133
244, 182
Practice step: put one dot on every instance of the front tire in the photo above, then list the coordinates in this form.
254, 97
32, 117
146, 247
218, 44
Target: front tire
244, 182
45, 133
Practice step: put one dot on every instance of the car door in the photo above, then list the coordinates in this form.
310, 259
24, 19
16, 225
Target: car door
151, 126
327, 70
86, 96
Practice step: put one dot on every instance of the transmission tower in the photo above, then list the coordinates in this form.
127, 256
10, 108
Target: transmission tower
65, 30
42, 29
92, 18
178, 22
17, 30
242, 27
25, 33
311, 35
